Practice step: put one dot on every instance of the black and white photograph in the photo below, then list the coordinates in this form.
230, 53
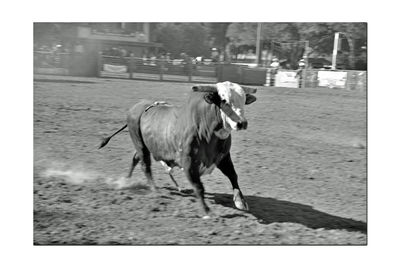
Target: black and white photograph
211, 133
200, 133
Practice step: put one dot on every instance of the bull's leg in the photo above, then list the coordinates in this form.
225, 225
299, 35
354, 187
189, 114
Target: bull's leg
192, 173
135, 161
168, 169
146, 167
199, 191
174, 181
226, 167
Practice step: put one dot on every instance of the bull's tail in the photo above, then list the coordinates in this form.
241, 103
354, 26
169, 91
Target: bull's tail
107, 139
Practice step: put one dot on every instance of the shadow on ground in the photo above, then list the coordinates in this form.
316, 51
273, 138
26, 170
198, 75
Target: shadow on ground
269, 210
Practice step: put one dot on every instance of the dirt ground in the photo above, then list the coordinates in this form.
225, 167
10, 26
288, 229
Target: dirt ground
301, 166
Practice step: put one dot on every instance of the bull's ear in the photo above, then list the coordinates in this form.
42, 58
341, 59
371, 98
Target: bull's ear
250, 99
212, 98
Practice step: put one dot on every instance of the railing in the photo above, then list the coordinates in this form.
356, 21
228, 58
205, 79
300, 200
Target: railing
51, 62
156, 69
340, 79
188, 71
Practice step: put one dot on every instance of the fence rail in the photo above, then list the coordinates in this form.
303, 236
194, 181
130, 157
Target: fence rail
341, 79
161, 69
51, 63
188, 71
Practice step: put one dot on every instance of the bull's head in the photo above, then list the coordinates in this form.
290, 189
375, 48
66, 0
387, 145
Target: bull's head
231, 98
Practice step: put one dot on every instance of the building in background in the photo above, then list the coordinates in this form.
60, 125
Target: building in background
84, 41
130, 37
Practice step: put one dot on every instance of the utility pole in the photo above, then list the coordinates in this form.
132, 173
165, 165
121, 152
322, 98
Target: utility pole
258, 43
306, 49
335, 49
272, 49
304, 74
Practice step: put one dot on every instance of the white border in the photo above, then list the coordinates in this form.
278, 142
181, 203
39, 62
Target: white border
17, 132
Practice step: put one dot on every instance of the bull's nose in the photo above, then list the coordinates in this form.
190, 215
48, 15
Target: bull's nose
242, 125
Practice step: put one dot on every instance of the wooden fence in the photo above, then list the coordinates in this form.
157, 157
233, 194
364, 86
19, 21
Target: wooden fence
340, 79
51, 63
188, 71
156, 69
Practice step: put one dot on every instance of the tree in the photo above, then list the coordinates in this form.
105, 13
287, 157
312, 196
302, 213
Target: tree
50, 33
352, 33
217, 33
321, 36
286, 40
284, 35
217, 37
45, 33
170, 36
194, 39
242, 33
190, 38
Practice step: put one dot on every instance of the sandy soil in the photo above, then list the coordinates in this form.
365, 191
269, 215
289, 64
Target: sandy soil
301, 167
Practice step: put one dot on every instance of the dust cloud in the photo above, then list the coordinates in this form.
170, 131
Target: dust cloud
74, 174
79, 174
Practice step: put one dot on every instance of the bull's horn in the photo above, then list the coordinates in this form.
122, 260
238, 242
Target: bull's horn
249, 90
205, 88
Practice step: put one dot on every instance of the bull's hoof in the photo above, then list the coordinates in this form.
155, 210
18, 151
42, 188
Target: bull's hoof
241, 205
210, 215
239, 201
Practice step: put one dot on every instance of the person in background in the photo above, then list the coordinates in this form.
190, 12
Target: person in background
302, 63
199, 60
275, 66
152, 59
124, 53
168, 57
214, 54
299, 73
186, 65
145, 58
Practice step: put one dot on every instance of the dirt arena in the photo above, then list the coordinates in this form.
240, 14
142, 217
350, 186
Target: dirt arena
301, 166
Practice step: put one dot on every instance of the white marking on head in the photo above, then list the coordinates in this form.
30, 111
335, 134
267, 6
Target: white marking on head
234, 95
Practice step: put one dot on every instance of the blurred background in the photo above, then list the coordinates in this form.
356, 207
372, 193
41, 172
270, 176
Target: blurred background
198, 50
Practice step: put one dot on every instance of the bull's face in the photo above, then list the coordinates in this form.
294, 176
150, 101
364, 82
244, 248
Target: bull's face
231, 98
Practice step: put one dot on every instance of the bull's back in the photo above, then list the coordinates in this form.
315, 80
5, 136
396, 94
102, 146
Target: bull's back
159, 133
133, 122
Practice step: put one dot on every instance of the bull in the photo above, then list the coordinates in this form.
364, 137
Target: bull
195, 137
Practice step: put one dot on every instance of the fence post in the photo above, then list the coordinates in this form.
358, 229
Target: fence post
272, 77
189, 64
99, 64
268, 77
218, 71
350, 80
162, 65
303, 78
131, 65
